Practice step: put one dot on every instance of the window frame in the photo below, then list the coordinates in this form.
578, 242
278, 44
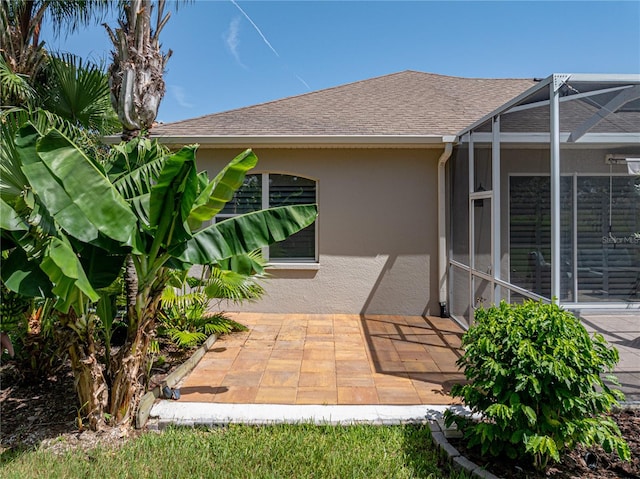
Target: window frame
281, 263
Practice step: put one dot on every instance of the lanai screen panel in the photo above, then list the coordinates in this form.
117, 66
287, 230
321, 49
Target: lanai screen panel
555, 195
599, 199
458, 167
600, 137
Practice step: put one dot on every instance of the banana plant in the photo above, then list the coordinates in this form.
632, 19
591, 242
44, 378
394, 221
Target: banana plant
77, 221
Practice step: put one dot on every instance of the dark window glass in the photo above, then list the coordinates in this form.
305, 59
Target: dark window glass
287, 190
283, 190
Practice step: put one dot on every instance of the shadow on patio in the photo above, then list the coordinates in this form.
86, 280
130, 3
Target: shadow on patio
330, 359
423, 349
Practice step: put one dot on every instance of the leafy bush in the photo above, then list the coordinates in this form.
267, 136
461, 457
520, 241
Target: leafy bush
187, 329
535, 377
184, 312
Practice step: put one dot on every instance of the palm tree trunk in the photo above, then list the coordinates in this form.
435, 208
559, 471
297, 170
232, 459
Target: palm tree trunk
136, 74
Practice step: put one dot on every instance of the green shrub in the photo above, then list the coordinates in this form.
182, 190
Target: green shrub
535, 378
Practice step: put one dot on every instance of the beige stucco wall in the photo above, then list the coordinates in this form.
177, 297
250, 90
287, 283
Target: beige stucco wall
377, 230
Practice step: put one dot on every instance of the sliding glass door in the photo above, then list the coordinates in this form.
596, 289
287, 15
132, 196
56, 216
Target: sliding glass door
600, 242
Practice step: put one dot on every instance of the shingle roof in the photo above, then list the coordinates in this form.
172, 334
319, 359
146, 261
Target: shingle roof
404, 103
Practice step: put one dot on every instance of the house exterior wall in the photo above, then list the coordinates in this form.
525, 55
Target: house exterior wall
377, 230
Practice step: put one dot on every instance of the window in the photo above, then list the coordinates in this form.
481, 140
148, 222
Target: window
266, 190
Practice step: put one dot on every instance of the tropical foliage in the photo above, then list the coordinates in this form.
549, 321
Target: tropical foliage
185, 313
535, 377
75, 221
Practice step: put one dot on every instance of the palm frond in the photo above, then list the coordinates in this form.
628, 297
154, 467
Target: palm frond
78, 91
224, 281
186, 339
71, 15
179, 298
198, 330
14, 87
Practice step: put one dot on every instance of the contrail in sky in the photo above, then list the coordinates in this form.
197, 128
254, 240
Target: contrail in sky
256, 27
265, 38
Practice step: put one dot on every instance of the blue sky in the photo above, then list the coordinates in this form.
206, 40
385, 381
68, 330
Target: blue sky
228, 54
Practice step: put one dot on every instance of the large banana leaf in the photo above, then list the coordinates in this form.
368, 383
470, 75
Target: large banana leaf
10, 220
218, 192
245, 233
76, 193
45, 185
172, 197
24, 276
101, 266
87, 188
70, 283
12, 180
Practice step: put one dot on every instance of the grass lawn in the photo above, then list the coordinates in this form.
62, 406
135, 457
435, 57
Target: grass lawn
283, 451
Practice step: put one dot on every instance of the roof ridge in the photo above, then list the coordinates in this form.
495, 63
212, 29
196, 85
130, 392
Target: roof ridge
300, 95
408, 102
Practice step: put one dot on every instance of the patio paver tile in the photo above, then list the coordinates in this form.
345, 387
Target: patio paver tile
205, 378
423, 366
345, 380
398, 395
392, 380
220, 351
250, 365
385, 356
285, 379
208, 362
313, 354
242, 378
342, 354
317, 379
316, 366
389, 367
275, 364
237, 394
253, 353
276, 395
353, 366
357, 395
320, 329
259, 343
289, 344
319, 341
295, 354
315, 395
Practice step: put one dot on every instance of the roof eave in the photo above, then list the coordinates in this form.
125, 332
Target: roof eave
304, 141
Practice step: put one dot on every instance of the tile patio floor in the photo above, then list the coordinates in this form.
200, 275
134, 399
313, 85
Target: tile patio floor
621, 330
330, 359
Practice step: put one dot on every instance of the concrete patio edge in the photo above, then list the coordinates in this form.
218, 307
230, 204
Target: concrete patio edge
212, 414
